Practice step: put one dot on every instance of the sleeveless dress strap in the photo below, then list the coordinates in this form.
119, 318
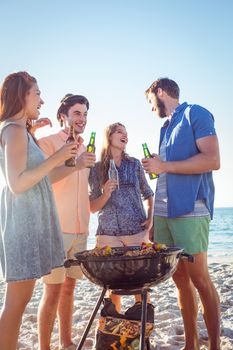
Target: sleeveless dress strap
4, 125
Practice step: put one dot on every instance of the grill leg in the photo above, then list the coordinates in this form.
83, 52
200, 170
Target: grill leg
148, 344
82, 340
143, 319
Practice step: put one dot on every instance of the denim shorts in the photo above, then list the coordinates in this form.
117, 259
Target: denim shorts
189, 233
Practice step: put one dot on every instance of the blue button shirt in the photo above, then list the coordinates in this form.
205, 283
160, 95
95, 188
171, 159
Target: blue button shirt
188, 123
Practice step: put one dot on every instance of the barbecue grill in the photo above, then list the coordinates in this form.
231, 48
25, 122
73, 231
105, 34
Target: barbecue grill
127, 274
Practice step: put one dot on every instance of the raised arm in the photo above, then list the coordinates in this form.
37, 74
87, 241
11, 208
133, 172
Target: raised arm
84, 160
99, 194
19, 178
206, 160
40, 123
98, 203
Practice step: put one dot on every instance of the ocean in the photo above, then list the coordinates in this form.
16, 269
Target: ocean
221, 234
220, 239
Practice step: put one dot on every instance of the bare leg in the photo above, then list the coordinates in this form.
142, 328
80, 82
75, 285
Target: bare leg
138, 297
210, 301
65, 311
47, 314
188, 306
116, 299
197, 272
17, 295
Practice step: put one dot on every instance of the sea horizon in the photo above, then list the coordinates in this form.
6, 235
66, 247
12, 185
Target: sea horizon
220, 238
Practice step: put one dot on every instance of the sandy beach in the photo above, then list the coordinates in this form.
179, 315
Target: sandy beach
168, 331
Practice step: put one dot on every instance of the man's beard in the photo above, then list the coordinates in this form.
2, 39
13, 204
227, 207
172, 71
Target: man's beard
161, 109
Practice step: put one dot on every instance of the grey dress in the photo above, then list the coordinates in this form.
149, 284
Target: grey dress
30, 235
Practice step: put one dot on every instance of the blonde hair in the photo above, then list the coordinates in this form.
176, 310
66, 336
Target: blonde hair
106, 154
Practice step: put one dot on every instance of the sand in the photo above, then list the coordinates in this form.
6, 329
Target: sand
168, 331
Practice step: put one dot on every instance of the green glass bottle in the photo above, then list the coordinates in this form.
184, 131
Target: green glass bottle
91, 144
147, 154
70, 161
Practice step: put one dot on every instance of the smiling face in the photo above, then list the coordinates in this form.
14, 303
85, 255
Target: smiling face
33, 102
77, 116
119, 138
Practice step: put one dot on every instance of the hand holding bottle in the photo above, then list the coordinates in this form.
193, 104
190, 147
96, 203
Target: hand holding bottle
153, 165
70, 140
109, 187
85, 160
66, 152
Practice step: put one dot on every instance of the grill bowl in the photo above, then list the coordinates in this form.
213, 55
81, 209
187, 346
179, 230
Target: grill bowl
129, 272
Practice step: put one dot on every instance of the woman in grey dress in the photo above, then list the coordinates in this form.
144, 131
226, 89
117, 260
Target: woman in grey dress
30, 236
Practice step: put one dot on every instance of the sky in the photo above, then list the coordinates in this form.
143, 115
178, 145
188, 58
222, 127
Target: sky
111, 51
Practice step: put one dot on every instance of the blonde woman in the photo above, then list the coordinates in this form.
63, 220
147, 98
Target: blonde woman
122, 219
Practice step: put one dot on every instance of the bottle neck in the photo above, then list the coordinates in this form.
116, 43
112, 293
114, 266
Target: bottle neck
117, 161
112, 165
92, 141
146, 151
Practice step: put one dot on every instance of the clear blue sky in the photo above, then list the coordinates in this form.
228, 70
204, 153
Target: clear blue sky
111, 51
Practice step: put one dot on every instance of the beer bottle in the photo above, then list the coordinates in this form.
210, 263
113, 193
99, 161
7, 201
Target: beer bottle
91, 144
113, 172
148, 155
70, 138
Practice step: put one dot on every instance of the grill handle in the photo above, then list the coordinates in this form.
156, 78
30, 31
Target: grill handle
71, 262
187, 256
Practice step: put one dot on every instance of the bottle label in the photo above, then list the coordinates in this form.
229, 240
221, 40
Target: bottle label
90, 148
